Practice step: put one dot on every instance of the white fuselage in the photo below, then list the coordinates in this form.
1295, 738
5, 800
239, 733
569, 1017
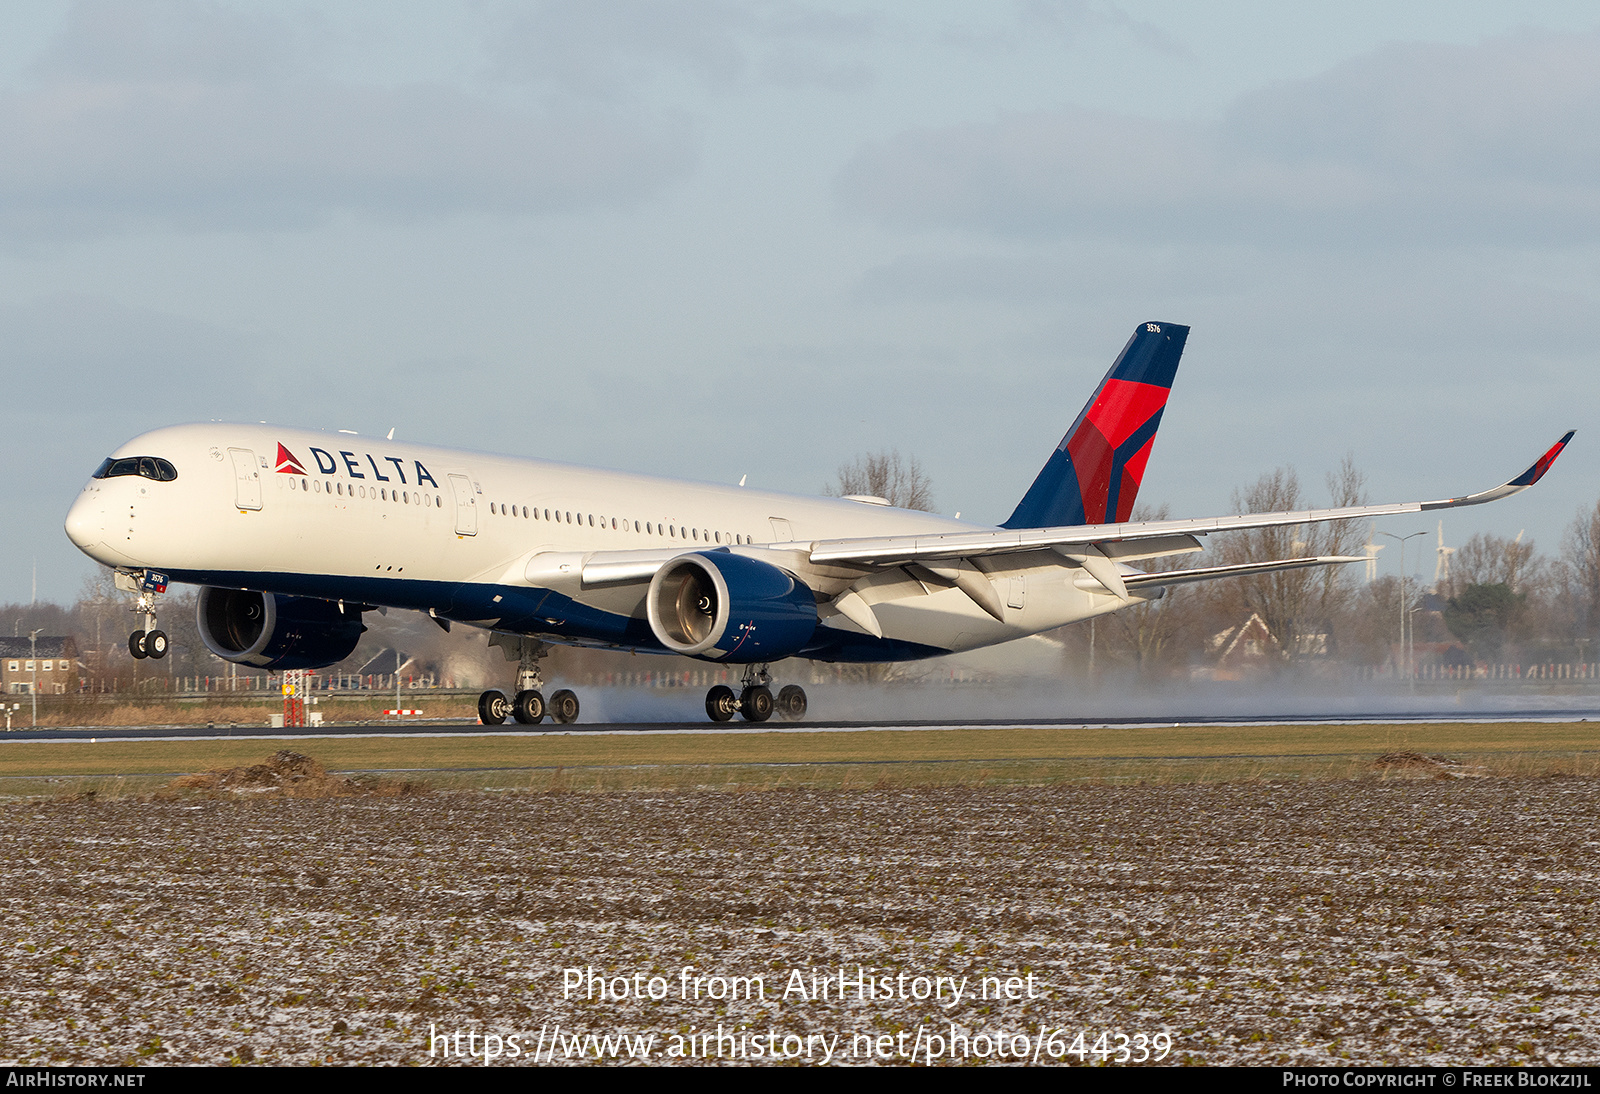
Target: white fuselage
502, 543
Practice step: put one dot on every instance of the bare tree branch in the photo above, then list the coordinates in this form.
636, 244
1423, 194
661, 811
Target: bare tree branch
900, 482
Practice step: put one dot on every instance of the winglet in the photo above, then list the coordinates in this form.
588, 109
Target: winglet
1542, 464
1515, 486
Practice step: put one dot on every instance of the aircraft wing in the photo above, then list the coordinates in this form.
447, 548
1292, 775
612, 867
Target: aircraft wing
896, 550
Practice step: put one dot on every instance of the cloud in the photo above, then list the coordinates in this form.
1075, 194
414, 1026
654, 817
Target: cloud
609, 49
1417, 144
1064, 21
192, 116
166, 40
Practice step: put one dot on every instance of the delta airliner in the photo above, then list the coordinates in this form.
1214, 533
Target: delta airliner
292, 535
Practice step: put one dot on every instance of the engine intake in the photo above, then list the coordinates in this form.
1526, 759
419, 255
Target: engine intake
719, 606
276, 632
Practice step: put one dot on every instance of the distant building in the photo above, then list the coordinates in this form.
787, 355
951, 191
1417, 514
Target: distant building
1250, 649
52, 660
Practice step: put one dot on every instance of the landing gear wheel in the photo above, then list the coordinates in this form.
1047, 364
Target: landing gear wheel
792, 703
492, 708
155, 644
528, 707
721, 703
136, 646
564, 707
756, 704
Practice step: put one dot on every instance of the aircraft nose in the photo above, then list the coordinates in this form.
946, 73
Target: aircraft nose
86, 523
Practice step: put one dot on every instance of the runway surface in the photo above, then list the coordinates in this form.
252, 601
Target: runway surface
472, 729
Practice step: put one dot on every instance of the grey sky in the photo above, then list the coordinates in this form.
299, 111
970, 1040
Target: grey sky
717, 239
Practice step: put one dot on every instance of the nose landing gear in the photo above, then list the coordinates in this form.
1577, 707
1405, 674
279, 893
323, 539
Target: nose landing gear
148, 642
144, 644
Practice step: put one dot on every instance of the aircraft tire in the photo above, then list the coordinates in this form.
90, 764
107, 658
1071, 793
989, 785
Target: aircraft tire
492, 708
564, 707
528, 707
156, 644
755, 703
136, 646
721, 703
792, 703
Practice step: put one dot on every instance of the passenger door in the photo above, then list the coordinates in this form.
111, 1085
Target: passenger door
466, 505
246, 479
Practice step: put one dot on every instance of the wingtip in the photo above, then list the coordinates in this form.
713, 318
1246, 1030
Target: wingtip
1542, 464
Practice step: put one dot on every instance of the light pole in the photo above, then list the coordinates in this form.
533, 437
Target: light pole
1411, 644
1403, 614
33, 651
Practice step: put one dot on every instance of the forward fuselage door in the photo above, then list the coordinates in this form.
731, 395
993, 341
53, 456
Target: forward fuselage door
466, 505
246, 479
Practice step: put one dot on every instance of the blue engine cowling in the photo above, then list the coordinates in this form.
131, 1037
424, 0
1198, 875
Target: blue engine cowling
720, 606
276, 632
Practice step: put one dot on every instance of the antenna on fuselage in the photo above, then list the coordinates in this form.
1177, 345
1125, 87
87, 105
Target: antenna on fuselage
390, 437
742, 478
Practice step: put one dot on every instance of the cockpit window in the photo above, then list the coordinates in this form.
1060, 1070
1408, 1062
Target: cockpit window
150, 467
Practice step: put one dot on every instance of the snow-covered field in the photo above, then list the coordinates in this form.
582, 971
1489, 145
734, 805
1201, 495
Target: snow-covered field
1449, 921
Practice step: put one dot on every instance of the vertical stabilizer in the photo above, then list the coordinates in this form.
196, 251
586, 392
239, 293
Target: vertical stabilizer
1093, 475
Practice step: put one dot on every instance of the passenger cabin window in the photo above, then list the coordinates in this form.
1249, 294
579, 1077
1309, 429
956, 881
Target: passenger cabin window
149, 467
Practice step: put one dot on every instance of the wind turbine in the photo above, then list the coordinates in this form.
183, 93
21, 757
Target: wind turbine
1441, 568
1372, 550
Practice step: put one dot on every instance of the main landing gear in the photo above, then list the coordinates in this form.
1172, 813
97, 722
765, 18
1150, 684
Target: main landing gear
755, 702
527, 706
148, 642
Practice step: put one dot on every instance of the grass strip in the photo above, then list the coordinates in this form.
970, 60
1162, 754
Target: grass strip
1054, 751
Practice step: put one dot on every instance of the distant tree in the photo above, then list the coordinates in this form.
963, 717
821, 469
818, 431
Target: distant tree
1579, 579
1484, 617
1292, 604
1495, 560
1371, 625
1149, 635
900, 482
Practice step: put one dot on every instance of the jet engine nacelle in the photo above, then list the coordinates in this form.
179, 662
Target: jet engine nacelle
276, 632
720, 606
